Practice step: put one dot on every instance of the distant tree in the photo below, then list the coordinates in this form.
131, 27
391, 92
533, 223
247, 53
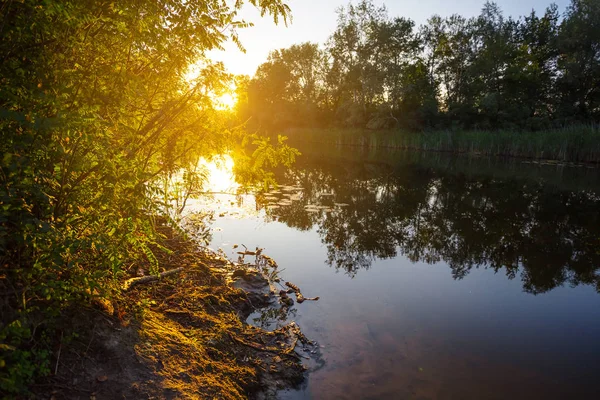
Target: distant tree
353, 49
535, 67
578, 82
287, 88
495, 53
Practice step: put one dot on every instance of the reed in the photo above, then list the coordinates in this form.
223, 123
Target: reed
580, 143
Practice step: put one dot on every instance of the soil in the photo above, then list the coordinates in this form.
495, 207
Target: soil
182, 336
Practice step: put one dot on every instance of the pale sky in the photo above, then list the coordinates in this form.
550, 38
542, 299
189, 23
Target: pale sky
315, 21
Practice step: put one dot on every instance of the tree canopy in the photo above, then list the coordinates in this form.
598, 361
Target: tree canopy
486, 72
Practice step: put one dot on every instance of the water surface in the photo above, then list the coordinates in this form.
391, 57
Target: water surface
438, 277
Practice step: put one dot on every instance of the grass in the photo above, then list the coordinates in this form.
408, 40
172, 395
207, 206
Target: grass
571, 144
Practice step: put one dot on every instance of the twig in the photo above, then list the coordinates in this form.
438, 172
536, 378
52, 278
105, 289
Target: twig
301, 355
258, 347
299, 297
67, 387
248, 253
129, 283
58, 356
91, 338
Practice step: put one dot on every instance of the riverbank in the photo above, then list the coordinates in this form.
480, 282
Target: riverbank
578, 144
182, 336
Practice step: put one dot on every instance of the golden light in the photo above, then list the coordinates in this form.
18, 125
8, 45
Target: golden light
225, 101
220, 175
193, 72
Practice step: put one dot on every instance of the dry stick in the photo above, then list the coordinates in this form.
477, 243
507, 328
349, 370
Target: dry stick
265, 348
129, 283
58, 356
248, 253
299, 297
91, 338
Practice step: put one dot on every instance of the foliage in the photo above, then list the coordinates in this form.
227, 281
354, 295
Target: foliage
95, 112
265, 157
285, 88
483, 73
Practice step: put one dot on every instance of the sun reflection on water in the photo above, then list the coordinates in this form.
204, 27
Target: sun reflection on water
221, 193
220, 175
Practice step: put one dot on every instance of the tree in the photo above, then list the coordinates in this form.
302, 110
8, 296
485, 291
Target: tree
578, 66
536, 61
288, 87
353, 52
495, 51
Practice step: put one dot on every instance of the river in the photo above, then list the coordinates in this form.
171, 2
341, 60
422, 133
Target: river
439, 277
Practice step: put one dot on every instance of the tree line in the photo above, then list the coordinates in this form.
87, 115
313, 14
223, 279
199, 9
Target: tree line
487, 72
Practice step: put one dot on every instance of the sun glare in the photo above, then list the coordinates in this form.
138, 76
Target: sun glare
225, 101
220, 175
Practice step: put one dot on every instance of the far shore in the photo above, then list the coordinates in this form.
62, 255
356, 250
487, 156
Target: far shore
577, 144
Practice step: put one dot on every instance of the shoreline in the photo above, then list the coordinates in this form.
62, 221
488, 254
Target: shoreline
181, 336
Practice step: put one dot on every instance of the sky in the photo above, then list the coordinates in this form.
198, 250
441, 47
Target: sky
315, 21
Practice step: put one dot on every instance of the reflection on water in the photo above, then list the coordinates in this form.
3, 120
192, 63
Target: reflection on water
220, 176
439, 278
544, 235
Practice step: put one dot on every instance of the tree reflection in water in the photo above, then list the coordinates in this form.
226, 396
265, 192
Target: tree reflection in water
526, 228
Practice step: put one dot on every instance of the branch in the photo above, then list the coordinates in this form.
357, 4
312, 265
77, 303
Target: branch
129, 283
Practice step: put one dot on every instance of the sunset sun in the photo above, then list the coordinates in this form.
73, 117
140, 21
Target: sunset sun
225, 101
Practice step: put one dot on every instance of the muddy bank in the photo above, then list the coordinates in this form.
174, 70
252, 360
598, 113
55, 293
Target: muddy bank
182, 336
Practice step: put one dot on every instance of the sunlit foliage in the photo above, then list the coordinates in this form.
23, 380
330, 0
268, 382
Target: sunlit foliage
95, 113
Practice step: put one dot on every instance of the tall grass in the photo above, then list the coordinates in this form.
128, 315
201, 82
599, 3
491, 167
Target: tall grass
570, 144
